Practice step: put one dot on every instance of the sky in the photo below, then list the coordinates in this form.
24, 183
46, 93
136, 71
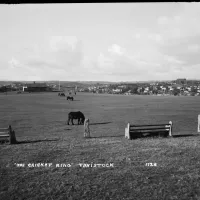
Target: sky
100, 41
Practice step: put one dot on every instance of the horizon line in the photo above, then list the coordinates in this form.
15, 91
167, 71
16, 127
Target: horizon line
94, 80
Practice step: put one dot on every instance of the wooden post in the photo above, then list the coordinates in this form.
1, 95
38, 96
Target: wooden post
86, 128
127, 129
12, 138
170, 129
198, 123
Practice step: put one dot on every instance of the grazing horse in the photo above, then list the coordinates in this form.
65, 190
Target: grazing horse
76, 115
70, 98
61, 94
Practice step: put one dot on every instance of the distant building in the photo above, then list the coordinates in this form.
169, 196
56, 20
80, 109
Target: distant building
178, 86
24, 88
181, 81
36, 87
117, 90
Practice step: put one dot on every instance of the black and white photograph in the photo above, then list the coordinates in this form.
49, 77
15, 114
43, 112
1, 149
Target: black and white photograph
100, 101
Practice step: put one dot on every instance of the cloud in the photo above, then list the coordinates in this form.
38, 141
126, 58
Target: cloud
14, 63
163, 20
104, 60
136, 36
60, 52
185, 50
18, 70
156, 37
62, 42
146, 61
177, 18
66, 51
60, 56
164, 42
116, 49
173, 60
194, 48
113, 62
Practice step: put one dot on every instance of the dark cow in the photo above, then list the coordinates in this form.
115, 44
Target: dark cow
76, 115
70, 98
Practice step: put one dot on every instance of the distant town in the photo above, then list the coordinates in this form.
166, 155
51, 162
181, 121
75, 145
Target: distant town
179, 87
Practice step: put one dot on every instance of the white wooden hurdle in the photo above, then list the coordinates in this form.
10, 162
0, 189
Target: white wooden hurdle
7, 135
132, 131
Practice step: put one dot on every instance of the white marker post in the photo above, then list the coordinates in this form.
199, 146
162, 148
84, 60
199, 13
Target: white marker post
86, 129
170, 128
127, 129
198, 123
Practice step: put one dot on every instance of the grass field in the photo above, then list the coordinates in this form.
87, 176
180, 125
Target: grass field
39, 121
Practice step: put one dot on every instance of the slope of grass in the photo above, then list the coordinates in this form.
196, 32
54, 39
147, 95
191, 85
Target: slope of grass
40, 124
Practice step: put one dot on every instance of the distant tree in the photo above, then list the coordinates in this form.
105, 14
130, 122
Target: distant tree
176, 92
113, 86
124, 90
159, 88
151, 88
134, 90
155, 92
194, 90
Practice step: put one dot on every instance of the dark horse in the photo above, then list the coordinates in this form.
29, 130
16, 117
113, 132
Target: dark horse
70, 98
76, 115
61, 94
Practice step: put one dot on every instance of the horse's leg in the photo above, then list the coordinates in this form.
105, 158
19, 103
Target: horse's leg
68, 121
72, 121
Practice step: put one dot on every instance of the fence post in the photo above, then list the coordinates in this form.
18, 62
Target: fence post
198, 123
127, 134
170, 129
12, 138
86, 128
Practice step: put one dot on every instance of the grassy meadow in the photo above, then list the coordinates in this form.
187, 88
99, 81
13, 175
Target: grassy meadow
39, 121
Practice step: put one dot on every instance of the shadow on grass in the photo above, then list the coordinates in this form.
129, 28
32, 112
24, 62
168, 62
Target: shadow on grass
100, 123
185, 135
107, 136
34, 141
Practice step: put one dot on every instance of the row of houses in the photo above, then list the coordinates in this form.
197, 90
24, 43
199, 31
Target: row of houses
164, 88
